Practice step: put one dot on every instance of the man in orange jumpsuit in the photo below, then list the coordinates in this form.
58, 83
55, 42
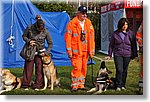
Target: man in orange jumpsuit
80, 44
139, 37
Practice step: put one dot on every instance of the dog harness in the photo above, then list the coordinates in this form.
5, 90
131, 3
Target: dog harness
15, 84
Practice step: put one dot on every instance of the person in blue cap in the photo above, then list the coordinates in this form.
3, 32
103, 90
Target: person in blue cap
80, 44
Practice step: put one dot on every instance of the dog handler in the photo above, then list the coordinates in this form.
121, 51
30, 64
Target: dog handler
122, 42
29, 36
139, 38
79, 38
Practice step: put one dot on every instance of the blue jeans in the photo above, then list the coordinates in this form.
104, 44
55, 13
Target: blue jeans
121, 64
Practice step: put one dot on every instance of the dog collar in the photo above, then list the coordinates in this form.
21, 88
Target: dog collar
7, 84
47, 63
15, 83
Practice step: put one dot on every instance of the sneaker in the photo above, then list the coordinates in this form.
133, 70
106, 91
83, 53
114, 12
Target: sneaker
26, 89
37, 88
74, 89
123, 88
84, 88
118, 89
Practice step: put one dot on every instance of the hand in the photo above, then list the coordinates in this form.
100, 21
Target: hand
42, 54
32, 42
136, 59
107, 58
70, 55
91, 55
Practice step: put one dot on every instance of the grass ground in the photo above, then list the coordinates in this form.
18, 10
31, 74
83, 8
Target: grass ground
64, 75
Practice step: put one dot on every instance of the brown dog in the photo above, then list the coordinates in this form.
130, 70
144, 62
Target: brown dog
9, 81
49, 70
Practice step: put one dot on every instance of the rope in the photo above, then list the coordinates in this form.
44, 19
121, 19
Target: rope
92, 71
11, 37
12, 19
102, 59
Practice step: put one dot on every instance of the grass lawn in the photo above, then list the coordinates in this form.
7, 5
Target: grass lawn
64, 75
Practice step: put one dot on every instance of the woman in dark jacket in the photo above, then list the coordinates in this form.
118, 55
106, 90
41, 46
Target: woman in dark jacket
120, 45
34, 35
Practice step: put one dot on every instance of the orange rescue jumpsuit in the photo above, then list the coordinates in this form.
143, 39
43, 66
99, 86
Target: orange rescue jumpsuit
139, 37
79, 49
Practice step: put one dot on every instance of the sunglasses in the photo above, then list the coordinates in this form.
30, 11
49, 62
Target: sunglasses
83, 13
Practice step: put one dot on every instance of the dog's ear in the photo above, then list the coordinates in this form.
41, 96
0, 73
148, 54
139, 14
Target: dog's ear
103, 64
5, 71
109, 72
50, 54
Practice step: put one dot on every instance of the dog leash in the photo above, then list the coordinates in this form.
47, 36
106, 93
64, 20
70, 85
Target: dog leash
101, 59
47, 63
92, 71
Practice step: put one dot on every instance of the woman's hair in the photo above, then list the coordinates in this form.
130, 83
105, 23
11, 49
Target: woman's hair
40, 24
121, 23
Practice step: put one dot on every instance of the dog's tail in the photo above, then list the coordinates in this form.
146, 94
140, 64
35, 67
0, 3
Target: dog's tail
56, 73
57, 83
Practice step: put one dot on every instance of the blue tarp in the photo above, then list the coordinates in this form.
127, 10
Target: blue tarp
16, 16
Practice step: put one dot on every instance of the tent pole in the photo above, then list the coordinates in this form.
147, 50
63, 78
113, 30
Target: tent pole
12, 19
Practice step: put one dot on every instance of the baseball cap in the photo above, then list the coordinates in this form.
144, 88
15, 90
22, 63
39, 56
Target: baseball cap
82, 9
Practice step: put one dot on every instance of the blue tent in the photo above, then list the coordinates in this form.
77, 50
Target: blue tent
16, 16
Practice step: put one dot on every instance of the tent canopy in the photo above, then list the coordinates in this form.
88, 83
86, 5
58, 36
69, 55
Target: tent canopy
16, 16
110, 15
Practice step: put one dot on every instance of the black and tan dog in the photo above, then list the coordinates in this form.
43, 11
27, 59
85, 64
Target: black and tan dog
102, 79
50, 73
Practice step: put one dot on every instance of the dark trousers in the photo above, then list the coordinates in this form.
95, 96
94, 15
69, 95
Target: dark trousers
121, 64
28, 71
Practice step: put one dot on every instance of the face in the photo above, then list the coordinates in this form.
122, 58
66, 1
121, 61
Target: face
124, 28
82, 16
8, 78
40, 27
46, 59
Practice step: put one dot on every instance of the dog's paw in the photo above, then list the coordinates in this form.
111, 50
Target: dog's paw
92, 90
42, 89
98, 92
105, 90
52, 89
37, 89
1, 91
